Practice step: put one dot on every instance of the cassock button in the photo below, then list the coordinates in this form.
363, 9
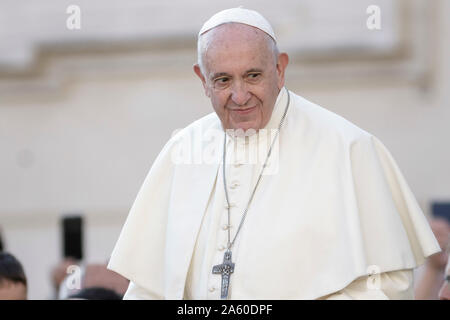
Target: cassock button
234, 185
221, 247
225, 227
237, 165
212, 289
231, 205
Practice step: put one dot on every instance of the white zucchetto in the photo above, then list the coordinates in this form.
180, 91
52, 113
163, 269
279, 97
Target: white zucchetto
238, 15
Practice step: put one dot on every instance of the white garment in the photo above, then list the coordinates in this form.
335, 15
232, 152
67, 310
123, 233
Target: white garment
337, 207
242, 173
395, 285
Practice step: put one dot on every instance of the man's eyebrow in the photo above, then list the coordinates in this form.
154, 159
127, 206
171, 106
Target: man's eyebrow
219, 74
253, 70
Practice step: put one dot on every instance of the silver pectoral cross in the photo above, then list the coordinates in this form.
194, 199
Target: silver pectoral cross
225, 269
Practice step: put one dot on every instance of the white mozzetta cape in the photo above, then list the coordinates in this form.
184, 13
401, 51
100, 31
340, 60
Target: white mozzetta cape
337, 207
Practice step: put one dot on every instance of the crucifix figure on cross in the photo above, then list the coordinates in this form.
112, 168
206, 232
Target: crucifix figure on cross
225, 269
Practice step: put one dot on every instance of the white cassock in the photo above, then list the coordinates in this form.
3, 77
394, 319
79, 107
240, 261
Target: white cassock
333, 218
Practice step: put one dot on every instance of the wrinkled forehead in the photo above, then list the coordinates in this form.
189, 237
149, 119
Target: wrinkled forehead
236, 41
235, 47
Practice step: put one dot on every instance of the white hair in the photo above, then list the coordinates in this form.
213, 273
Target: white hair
204, 41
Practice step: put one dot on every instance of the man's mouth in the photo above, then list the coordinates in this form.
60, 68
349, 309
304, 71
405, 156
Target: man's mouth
243, 110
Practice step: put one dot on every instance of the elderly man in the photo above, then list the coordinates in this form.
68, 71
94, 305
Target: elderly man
323, 213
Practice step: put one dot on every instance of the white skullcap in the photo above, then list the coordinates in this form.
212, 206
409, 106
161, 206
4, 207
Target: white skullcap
239, 15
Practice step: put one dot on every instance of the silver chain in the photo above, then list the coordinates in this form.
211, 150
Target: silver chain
230, 244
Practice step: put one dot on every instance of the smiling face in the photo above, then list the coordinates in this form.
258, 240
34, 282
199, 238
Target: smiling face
242, 74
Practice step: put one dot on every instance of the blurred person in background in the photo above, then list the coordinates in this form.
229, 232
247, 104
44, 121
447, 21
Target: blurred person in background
96, 293
59, 273
93, 281
444, 292
432, 275
13, 282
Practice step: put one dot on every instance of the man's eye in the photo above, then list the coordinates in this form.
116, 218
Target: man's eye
254, 75
222, 80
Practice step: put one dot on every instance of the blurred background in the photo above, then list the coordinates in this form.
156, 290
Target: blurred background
84, 112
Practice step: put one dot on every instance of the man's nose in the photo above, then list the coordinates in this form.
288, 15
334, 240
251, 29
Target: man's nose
239, 93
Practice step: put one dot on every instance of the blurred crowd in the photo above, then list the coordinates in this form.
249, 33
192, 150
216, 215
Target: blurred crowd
72, 279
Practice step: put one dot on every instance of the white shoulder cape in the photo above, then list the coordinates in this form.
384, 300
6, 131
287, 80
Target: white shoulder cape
338, 209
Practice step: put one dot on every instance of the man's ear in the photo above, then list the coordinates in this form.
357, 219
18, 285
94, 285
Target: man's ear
283, 60
199, 73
